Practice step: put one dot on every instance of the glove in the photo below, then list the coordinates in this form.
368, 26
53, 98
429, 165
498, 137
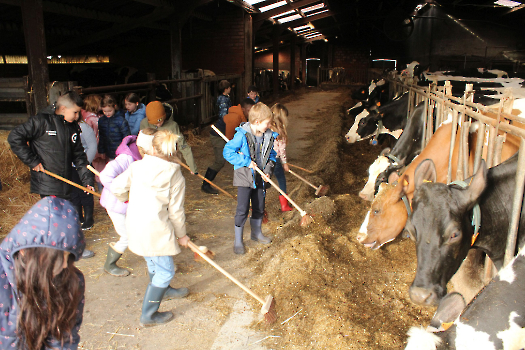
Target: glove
268, 169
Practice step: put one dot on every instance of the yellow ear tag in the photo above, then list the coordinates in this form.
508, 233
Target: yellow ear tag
474, 237
378, 104
405, 182
427, 181
446, 325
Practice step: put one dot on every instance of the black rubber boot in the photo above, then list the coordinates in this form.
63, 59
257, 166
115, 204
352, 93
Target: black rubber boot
80, 214
238, 245
256, 233
206, 187
88, 216
173, 293
111, 263
150, 306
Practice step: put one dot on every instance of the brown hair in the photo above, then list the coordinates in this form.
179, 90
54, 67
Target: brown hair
48, 296
108, 101
132, 97
280, 121
92, 103
165, 145
259, 112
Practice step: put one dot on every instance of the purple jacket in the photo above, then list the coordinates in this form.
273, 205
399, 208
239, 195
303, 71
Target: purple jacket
127, 152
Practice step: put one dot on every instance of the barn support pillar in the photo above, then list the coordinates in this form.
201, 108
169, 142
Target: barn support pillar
292, 63
33, 22
303, 63
176, 57
275, 38
248, 52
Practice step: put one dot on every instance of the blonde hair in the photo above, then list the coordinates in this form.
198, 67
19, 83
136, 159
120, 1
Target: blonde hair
280, 121
146, 131
165, 145
92, 103
259, 113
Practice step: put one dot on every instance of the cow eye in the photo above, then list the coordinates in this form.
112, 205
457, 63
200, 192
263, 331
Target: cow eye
454, 236
376, 211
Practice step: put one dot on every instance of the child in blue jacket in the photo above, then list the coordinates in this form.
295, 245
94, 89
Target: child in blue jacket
112, 128
252, 146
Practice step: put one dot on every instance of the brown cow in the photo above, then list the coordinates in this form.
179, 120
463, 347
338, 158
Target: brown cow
388, 214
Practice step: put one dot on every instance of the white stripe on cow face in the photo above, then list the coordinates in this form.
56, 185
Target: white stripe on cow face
468, 338
364, 225
377, 167
352, 135
514, 337
371, 87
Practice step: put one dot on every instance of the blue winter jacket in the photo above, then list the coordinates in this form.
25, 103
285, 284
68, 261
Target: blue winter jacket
223, 103
51, 223
135, 118
111, 132
237, 152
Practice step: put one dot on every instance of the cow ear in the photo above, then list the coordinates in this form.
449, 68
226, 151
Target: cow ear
385, 151
476, 186
393, 177
425, 172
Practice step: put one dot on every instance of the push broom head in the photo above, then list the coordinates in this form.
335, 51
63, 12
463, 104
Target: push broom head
206, 251
322, 190
306, 220
268, 310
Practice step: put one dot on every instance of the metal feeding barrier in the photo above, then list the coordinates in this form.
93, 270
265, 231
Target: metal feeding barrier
495, 124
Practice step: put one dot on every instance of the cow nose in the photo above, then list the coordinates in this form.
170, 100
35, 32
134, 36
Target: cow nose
364, 196
422, 296
361, 237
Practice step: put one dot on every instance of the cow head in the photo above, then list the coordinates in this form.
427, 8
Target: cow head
387, 217
377, 167
440, 226
352, 136
368, 125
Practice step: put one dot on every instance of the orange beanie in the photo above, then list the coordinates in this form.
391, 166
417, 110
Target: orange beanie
155, 112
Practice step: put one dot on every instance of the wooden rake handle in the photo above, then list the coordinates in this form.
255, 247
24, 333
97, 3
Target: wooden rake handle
302, 179
208, 181
70, 182
298, 167
93, 170
225, 273
266, 178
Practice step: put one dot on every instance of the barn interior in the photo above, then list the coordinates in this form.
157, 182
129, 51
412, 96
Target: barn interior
331, 292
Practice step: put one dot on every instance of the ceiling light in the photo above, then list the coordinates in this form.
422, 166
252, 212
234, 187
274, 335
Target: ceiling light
316, 13
253, 2
272, 6
289, 18
507, 3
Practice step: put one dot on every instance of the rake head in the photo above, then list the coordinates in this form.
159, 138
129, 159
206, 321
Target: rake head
268, 310
322, 190
206, 252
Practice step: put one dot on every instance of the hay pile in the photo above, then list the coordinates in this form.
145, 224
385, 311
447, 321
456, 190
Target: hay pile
338, 294
15, 198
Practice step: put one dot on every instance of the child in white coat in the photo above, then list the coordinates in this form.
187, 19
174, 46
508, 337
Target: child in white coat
155, 220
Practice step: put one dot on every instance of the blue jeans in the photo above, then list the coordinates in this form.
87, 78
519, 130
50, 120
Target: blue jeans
163, 268
278, 171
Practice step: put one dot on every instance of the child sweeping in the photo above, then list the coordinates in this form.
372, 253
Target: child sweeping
280, 120
155, 220
131, 149
251, 146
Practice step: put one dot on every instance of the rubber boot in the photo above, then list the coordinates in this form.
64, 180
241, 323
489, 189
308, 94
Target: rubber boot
238, 245
206, 187
150, 306
80, 215
88, 216
111, 263
172, 293
257, 234
284, 204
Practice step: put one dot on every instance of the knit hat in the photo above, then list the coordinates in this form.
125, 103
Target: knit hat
155, 112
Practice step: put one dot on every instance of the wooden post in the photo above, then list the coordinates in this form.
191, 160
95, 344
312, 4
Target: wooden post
248, 53
292, 63
33, 23
176, 49
152, 94
303, 63
275, 38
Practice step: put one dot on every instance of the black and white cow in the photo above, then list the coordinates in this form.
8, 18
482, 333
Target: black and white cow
441, 224
494, 319
407, 147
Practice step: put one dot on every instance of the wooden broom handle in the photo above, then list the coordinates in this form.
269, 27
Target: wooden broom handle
70, 182
208, 181
301, 178
298, 167
302, 212
221, 270
93, 170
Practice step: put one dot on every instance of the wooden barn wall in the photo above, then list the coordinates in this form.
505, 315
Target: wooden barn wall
216, 45
350, 58
264, 59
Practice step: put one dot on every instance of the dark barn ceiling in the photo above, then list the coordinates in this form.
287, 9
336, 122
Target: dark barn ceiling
97, 27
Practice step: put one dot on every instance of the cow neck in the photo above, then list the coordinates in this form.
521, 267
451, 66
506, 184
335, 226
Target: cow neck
476, 212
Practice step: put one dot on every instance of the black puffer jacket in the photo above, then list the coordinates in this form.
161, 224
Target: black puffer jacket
111, 132
56, 144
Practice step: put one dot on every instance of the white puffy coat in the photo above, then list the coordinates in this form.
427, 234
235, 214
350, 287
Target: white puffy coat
155, 215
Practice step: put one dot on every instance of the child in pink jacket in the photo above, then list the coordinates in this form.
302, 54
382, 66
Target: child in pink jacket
126, 153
